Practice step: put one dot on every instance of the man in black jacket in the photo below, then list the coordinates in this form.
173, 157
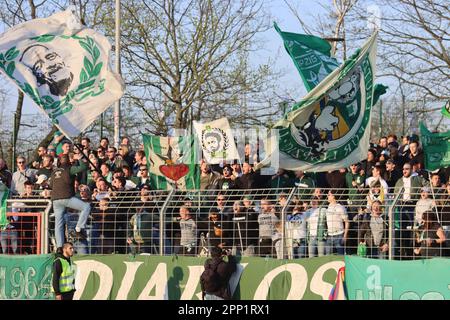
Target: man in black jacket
215, 279
63, 196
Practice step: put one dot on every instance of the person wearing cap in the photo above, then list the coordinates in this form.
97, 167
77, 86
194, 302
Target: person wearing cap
58, 139
219, 229
42, 182
216, 286
228, 180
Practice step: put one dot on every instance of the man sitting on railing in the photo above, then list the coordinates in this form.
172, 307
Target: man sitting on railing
63, 196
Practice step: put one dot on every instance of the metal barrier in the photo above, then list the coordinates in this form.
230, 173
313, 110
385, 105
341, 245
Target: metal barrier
280, 223
26, 232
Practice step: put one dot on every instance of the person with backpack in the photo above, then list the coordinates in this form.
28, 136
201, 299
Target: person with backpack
215, 278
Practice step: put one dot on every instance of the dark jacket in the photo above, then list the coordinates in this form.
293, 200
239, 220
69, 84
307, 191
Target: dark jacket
57, 270
63, 179
224, 270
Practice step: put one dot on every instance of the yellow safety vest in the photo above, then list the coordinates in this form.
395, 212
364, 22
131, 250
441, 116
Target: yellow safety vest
66, 280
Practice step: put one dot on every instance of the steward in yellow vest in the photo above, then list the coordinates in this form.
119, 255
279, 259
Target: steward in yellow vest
64, 273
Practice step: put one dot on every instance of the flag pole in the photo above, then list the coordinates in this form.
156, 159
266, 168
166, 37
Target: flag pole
117, 69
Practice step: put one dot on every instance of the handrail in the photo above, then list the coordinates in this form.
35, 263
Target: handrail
391, 223
283, 219
162, 222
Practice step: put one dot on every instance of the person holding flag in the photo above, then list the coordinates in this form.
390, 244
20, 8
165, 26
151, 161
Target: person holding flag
62, 183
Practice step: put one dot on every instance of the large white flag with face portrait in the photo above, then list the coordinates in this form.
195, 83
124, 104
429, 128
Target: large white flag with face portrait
63, 67
216, 140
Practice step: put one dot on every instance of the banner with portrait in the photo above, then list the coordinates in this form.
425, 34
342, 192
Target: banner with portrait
63, 67
216, 141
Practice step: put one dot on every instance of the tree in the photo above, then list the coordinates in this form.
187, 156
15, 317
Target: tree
185, 60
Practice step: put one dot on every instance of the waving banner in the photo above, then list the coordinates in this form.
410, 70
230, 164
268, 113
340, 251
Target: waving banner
313, 59
311, 55
172, 162
63, 67
216, 140
329, 128
436, 147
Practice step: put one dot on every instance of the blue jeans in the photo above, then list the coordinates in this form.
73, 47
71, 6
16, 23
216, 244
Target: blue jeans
300, 249
10, 234
335, 242
212, 297
59, 208
315, 245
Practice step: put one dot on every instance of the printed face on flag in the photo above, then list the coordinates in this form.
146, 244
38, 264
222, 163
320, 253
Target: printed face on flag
62, 67
48, 67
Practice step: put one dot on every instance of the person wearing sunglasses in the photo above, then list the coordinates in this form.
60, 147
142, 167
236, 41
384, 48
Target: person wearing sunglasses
22, 175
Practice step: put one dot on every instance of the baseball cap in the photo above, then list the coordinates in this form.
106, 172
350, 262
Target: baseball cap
425, 189
41, 179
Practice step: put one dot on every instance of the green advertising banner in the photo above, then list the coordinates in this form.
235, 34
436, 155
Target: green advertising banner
26, 277
372, 279
122, 277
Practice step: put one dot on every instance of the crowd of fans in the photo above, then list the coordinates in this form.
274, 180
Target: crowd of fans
329, 212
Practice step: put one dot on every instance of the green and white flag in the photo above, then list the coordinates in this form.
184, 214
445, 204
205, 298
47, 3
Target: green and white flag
330, 128
63, 67
216, 141
436, 148
311, 56
446, 109
4, 192
172, 162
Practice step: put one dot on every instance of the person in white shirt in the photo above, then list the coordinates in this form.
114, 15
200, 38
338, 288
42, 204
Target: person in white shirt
337, 225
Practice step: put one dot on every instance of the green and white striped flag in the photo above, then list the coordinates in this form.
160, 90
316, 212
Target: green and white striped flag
172, 162
4, 192
330, 128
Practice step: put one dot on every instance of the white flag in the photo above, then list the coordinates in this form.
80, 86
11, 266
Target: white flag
63, 67
216, 140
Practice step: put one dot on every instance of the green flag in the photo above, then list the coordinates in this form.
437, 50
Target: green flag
329, 128
446, 109
172, 162
436, 147
4, 192
311, 56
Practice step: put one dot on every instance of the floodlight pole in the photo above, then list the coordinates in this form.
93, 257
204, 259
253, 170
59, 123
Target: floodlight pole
117, 69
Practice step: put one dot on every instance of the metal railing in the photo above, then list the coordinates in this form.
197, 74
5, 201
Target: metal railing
27, 231
280, 223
